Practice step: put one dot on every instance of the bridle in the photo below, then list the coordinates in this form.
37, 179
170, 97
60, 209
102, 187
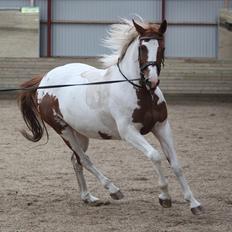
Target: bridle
144, 82
159, 60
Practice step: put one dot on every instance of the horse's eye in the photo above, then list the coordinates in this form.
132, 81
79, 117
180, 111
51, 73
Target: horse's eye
143, 48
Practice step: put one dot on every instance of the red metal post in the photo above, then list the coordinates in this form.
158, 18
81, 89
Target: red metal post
163, 14
163, 9
49, 28
226, 4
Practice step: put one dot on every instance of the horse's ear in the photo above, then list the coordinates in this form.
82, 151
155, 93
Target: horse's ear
138, 28
163, 27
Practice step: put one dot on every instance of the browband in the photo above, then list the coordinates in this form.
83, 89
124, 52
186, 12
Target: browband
150, 37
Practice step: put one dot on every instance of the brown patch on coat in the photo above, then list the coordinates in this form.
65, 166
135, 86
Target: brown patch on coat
104, 135
50, 113
70, 146
151, 30
149, 111
143, 58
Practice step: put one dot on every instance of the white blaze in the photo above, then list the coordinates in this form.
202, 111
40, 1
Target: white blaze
152, 47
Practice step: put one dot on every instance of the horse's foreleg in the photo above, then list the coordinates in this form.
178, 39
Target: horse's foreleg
131, 135
73, 140
163, 132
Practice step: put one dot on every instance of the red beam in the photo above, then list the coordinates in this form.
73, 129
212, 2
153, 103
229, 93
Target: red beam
191, 24
163, 14
100, 22
163, 10
49, 28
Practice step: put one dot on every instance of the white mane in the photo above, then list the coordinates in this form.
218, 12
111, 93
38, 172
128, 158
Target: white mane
118, 38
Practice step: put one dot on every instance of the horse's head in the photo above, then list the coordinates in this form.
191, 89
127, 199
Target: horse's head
151, 51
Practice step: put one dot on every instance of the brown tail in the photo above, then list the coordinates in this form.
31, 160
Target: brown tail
28, 106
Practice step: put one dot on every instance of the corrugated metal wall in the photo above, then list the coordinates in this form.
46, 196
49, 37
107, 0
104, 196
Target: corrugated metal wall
13, 3
105, 9
193, 10
85, 39
192, 41
79, 25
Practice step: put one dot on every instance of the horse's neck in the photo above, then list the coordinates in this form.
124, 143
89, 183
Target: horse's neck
129, 63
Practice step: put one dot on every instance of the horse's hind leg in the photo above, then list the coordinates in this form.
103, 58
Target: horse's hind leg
72, 139
86, 196
163, 132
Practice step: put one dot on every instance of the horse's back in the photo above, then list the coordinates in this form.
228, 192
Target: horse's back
74, 73
66, 73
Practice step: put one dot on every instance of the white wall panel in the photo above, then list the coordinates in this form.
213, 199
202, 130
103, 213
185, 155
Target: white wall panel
14, 3
78, 40
191, 41
193, 10
105, 9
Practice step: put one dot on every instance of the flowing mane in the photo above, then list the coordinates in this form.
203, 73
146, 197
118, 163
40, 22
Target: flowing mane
119, 37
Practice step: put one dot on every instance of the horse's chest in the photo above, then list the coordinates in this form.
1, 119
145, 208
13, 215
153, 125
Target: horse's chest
149, 111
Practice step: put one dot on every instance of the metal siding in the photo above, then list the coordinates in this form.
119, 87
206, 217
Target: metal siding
105, 9
230, 4
191, 41
193, 10
78, 40
14, 3
85, 40
181, 41
42, 4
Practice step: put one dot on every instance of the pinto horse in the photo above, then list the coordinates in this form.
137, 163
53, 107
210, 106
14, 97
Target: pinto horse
122, 111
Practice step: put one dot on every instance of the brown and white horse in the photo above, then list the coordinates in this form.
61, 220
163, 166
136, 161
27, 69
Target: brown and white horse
122, 111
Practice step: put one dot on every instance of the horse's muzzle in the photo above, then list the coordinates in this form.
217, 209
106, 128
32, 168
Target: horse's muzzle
152, 84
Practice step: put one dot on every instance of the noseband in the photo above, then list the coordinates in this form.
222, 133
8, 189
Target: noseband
143, 80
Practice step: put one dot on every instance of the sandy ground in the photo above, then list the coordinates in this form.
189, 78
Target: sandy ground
39, 192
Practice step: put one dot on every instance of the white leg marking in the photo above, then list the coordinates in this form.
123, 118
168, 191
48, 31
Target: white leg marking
163, 132
71, 136
86, 196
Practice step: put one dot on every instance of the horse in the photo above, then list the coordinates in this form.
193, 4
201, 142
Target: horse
122, 111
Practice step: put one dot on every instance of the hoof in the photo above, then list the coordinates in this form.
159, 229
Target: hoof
198, 210
166, 203
97, 203
117, 195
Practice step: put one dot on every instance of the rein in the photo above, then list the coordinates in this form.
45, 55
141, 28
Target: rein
63, 86
130, 81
